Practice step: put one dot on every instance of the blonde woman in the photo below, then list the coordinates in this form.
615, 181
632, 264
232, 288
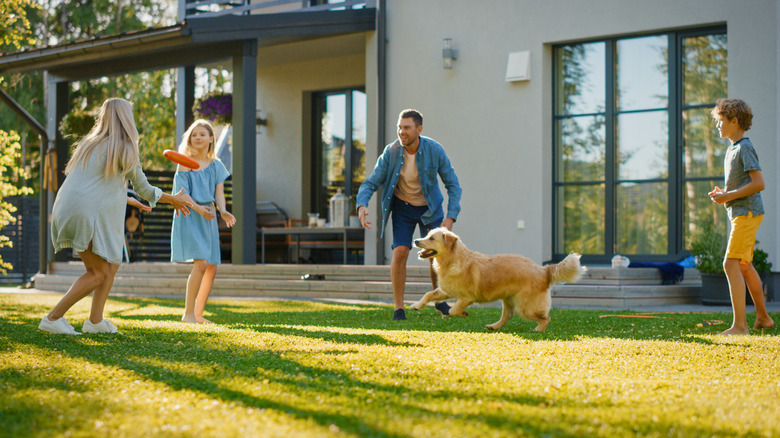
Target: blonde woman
195, 238
88, 213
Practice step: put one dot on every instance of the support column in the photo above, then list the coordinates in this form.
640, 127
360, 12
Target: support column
381, 26
244, 154
185, 98
57, 105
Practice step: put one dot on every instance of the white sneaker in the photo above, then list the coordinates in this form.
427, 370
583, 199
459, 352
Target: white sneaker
59, 326
104, 326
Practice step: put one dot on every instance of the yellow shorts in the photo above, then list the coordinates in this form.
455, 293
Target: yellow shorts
742, 239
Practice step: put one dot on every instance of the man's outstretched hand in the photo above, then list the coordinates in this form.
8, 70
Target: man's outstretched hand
363, 215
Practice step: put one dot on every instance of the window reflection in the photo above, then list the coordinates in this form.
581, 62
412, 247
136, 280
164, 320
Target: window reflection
699, 210
705, 66
642, 225
643, 145
340, 147
581, 148
642, 78
580, 79
704, 150
582, 207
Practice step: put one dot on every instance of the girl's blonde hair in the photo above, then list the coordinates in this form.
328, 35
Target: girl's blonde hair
184, 146
114, 128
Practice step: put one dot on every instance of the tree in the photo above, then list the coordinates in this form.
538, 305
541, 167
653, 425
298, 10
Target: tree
14, 32
55, 22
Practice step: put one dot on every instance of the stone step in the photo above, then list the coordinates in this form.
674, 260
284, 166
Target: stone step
621, 276
607, 287
624, 295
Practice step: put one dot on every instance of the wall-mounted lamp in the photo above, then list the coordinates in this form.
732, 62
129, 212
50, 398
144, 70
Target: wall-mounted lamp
448, 53
261, 121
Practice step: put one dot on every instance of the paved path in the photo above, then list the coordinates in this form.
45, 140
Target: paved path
773, 307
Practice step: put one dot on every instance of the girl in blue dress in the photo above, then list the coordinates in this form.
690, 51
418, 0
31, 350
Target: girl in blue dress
195, 238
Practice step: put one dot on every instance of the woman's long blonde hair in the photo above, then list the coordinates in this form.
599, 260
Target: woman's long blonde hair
114, 128
184, 146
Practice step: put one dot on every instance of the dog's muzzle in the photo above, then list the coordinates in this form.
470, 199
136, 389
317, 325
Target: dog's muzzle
426, 253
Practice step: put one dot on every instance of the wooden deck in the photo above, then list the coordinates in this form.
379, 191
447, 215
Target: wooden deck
600, 287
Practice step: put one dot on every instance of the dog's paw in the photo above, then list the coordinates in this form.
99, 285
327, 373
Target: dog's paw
462, 314
415, 306
491, 328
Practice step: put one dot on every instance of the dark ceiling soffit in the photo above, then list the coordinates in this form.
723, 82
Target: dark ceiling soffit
146, 61
188, 43
293, 24
44, 57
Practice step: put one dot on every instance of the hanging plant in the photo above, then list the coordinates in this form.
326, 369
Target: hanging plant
77, 123
214, 107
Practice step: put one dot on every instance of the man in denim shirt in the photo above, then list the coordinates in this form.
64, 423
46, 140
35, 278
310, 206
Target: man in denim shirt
407, 171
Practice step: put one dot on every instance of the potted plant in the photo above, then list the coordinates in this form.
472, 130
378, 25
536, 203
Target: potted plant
709, 248
214, 107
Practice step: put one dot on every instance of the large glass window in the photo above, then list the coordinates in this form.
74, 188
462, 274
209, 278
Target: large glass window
635, 147
339, 146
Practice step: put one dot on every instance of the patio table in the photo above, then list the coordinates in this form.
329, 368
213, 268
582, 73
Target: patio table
345, 233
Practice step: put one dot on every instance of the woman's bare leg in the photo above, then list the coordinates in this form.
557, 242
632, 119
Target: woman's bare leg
100, 295
97, 272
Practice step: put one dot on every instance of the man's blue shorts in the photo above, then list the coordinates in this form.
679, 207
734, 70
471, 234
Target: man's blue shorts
405, 218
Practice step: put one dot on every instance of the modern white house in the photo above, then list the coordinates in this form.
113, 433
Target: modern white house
572, 125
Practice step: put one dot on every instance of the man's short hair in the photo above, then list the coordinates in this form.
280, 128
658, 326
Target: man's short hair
412, 114
730, 108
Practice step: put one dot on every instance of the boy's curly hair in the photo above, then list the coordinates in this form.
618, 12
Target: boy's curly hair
730, 108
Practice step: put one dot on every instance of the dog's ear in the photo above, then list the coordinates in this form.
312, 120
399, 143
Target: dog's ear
450, 240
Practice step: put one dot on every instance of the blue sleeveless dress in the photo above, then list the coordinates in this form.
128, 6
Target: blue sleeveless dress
193, 237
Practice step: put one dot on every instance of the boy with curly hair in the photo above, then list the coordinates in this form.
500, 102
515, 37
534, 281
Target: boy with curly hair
742, 198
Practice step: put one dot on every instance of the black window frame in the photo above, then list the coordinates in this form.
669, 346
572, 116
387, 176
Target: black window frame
676, 179
317, 99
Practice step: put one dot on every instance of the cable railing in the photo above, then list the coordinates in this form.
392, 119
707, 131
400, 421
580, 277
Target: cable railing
215, 8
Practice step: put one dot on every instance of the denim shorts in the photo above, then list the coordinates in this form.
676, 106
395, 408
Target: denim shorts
405, 218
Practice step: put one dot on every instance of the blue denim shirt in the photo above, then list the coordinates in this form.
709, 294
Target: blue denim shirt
431, 161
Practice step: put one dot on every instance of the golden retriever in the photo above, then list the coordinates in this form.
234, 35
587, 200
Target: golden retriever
472, 277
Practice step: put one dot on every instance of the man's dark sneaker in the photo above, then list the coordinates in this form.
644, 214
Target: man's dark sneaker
442, 307
399, 315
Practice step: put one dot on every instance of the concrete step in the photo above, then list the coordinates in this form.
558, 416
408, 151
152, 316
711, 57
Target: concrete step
267, 271
625, 276
581, 295
608, 287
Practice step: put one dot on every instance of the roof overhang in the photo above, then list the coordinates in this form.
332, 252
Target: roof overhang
196, 41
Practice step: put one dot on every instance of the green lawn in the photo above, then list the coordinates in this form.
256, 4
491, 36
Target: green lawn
313, 369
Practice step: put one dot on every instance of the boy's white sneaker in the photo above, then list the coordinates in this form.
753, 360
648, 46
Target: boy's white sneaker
104, 326
58, 326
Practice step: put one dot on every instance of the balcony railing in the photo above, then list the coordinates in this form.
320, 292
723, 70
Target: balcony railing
214, 8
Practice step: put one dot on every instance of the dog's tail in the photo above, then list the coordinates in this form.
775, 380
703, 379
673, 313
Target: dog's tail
567, 271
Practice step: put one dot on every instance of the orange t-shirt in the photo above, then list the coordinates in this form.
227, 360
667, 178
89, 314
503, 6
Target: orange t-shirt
408, 188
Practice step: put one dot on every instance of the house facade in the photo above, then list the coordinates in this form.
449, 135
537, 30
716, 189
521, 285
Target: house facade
572, 126
605, 147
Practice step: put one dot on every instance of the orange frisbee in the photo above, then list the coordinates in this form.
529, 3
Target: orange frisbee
180, 158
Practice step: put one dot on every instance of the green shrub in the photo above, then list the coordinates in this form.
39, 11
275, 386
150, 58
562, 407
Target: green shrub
709, 248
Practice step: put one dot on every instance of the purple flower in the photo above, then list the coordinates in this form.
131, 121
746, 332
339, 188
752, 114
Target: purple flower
217, 107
